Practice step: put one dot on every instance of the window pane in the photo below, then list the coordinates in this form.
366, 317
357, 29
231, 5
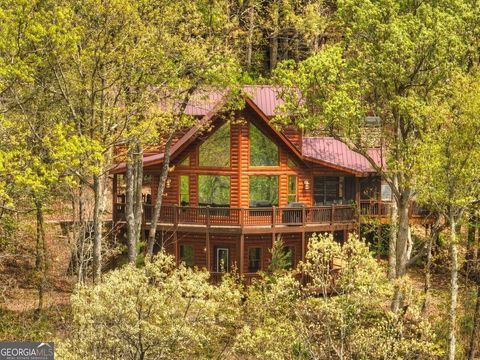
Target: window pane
214, 190
184, 190
263, 151
386, 192
292, 188
291, 163
215, 151
185, 162
187, 255
326, 189
369, 187
263, 191
254, 259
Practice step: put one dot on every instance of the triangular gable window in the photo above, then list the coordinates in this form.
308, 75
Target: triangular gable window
263, 151
215, 151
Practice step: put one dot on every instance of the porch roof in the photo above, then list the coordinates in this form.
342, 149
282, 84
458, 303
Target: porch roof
330, 151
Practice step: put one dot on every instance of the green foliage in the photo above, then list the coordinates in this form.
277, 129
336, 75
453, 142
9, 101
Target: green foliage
281, 257
159, 311
285, 321
392, 57
449, 155
271, 328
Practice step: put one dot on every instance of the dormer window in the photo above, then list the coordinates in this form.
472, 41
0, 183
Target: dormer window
215, 151
263, 151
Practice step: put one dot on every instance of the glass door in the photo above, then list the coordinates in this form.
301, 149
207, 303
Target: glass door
222, 258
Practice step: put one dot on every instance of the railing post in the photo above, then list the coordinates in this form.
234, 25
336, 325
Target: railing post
333, 214
175, 214
274, 215
208, 216
304, 216
207, 239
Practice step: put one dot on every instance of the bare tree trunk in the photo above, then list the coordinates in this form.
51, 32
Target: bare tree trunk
41, 251
134, 201
251, 23
152, 233
273, 50
274, 37
99, 192
432, 239
80, 241
129, 206
392, 244
402, 247
454, 288
474, 338
139, 191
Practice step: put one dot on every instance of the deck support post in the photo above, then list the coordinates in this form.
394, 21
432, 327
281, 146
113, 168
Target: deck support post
304, 248
114, 198
207, 240
241, 254
175, 242
357, 193
175, 234
274, 218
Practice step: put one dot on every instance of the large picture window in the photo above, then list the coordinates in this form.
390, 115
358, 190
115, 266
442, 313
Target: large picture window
263, 151
215, 151
184, 190
214, 190
263, 190
326, 190
292, 188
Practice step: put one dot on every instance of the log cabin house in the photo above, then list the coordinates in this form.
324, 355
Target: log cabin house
241, 184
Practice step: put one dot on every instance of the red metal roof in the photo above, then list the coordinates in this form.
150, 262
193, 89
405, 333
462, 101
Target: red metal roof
266, 97
331, 151
324, 150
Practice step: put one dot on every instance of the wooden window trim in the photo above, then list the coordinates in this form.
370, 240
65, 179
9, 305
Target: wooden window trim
260, 260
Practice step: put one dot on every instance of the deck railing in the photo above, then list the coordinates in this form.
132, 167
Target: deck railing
273, 216
249, 217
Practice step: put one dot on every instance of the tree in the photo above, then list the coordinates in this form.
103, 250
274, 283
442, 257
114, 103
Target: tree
204, 61
281, 257
34, 153
283, 320
160, 311
391, 57
448, 169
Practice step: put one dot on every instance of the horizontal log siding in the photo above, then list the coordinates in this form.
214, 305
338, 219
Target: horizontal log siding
293, 134
244, 160
198, 242
240, 170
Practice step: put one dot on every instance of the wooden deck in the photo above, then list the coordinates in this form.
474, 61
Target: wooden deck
266, 220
